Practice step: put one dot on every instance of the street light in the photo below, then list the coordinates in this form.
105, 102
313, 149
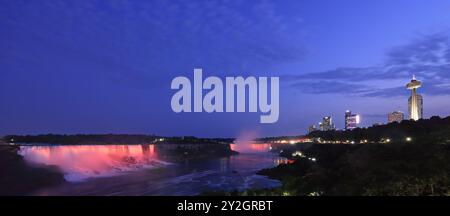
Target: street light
408, 139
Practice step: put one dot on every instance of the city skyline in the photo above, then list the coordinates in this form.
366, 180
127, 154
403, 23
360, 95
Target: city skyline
352, 120
71, 67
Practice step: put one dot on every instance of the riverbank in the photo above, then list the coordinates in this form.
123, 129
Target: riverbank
395, 169
410, 158
17, 177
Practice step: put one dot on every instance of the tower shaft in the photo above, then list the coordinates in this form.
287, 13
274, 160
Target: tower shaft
414, 108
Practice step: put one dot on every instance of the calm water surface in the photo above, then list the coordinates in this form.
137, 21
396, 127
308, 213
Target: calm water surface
139, 170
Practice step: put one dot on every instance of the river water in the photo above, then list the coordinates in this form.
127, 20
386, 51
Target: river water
139, 170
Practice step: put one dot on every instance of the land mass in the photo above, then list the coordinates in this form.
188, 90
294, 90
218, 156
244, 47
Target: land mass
20, 178
407, 158
17, 177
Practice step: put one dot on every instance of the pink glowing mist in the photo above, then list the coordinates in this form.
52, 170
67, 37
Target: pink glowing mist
245, 143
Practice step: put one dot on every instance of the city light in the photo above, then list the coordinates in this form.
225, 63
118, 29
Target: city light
314, 194
297, 154
312, 159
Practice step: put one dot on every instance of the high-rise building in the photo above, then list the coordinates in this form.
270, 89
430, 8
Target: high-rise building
419, 102
326, 124
351, 120
395, 116
312, 128
415, 102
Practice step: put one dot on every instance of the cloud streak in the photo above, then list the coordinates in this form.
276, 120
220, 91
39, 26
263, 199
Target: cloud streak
138, 42
428, 57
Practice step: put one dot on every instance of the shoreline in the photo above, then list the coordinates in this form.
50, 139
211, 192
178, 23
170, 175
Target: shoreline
19, 178
395, 169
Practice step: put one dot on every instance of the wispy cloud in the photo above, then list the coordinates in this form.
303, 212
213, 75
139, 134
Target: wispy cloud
138, 42
428, 57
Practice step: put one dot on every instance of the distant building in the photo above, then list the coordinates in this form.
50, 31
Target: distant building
415, 101
326, 124
312, 128
376, 124
351, 120
396, 116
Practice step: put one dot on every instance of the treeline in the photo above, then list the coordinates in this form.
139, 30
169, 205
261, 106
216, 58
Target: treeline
269, 139
433, 129
108, 139
195, 140
81, 138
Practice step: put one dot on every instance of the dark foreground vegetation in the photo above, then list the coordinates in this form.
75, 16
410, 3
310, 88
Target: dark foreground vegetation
419, 167
370, 169
19, 178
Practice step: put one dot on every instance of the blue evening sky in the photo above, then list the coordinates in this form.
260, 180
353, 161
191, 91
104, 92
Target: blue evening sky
105, 66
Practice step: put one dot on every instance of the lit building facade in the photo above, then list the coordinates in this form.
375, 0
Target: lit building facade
415, 101
396, 116
312, 128
351, 120
419, 105
326, 124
